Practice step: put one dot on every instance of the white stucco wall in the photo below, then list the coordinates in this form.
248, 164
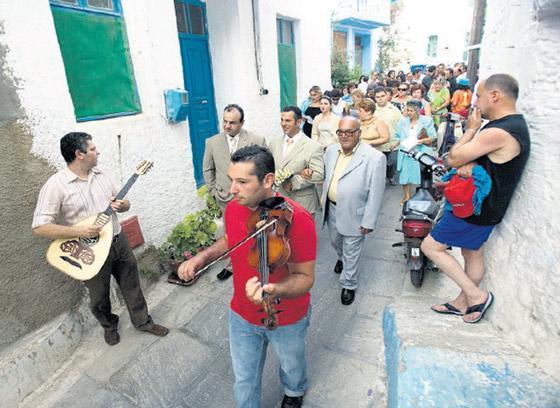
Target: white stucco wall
523, 252
233, 54
165, 195
419, 20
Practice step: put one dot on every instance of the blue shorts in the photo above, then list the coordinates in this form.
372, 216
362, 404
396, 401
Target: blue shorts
456, 232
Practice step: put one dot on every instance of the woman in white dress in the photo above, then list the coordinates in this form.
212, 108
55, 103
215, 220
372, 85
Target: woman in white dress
325, 124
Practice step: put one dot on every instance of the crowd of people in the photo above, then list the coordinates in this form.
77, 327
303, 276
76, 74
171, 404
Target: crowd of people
392, 108
332, 163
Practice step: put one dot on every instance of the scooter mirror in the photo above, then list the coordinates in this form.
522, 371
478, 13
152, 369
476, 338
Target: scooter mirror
426, 159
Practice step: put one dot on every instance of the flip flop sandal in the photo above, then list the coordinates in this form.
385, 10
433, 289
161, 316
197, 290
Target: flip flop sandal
481, 308
452, 310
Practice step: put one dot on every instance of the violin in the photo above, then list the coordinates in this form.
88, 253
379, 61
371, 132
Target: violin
269, 224
271, 249
278, 247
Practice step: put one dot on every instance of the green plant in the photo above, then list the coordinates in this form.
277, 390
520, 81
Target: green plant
341, 75
196, 231
188, 237
387, 47
212, 206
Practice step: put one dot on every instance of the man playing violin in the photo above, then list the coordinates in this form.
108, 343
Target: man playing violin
252, 174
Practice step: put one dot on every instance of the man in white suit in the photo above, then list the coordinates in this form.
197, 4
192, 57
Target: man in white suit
293, 153
353, 190
217, 154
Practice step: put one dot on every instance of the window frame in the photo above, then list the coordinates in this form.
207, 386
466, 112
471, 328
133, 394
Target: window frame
117, 12
188, 21
82, 5
280, 23
432, 46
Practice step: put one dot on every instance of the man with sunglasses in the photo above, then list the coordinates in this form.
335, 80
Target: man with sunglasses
352, 195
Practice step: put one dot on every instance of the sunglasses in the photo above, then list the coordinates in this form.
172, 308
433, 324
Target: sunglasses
403, 89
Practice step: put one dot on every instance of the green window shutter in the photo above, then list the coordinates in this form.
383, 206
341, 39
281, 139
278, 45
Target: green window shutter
288, 79
97, 61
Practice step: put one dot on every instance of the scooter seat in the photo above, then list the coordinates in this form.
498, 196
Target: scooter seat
427, 207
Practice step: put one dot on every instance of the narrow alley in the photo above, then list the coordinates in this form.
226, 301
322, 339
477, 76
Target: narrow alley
191, 367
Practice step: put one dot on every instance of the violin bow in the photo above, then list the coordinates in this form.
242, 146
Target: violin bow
233, 248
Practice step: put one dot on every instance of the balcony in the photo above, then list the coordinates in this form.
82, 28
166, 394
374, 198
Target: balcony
362, 14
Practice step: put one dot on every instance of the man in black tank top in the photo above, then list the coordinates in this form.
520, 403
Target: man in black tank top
502, 148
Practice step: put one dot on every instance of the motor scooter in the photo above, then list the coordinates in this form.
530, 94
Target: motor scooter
419, 214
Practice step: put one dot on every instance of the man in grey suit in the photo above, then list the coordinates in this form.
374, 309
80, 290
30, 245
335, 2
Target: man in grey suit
295, 153
217, 154
352, 194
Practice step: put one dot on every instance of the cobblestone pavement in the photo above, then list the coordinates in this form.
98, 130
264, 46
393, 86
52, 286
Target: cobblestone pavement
191, 367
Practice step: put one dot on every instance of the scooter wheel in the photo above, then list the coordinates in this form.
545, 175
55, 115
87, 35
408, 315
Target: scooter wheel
417, 277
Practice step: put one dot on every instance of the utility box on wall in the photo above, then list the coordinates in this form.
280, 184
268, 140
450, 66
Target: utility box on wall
176, 104
131, 227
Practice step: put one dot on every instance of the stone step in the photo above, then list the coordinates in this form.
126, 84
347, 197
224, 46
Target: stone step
27, 363
439, 361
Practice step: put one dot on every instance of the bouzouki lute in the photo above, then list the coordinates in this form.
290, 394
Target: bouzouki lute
82, 258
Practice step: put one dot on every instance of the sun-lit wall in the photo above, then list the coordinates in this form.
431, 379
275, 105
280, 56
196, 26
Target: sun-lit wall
523, 254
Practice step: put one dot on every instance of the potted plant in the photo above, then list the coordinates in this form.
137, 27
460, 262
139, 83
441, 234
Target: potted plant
212, 206
196, 232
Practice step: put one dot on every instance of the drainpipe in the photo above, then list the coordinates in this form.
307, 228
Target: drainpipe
257, 41
476, 39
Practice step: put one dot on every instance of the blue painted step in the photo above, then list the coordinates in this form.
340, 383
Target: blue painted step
438, 361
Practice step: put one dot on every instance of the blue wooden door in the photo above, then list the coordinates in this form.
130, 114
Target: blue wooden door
197, 75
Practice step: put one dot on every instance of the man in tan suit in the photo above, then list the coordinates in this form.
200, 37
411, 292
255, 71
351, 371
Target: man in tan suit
217, 154
293, 153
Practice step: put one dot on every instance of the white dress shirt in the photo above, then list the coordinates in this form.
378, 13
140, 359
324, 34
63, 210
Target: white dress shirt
233, 141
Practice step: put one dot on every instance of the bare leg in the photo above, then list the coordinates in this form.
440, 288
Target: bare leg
474, 268
448, 264
406, 193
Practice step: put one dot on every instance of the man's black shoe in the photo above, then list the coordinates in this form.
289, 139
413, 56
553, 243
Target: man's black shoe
347, 296
292, 402
224, 274
155, 329
112, 336
338, 267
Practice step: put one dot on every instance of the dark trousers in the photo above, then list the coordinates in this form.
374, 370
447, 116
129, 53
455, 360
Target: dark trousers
120, 263
391, 164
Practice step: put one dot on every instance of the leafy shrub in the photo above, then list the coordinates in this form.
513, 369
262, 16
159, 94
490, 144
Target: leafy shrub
195, 232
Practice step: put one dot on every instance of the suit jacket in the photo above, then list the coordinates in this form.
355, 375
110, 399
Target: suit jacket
306, 153
360, 188
216, 162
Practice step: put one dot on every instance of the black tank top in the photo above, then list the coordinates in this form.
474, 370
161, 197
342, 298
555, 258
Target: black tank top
505, 176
